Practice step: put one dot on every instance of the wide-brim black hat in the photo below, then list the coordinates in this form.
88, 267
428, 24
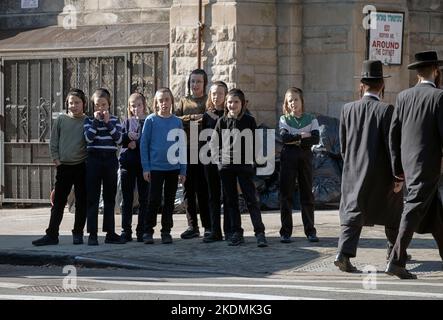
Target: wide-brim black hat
372, 69
425, 58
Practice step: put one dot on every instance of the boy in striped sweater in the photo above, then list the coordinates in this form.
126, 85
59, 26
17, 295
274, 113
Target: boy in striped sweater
102, 134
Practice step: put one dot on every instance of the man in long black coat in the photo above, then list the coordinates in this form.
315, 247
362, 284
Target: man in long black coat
368, 196
416, 140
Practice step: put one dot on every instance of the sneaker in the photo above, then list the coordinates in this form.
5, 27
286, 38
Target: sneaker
148, 238
261, 240
312, 238
77, 238
126, 236
45, 241
236, 240
92, 240
113, 238
166, 238
190, 233
285, 239
213, 237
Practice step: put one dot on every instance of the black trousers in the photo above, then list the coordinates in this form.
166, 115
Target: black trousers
244, 174
215, 194
408, 227
196, 188
296, 164
66, 177
350, 235
129, 177
101, 167
161, 182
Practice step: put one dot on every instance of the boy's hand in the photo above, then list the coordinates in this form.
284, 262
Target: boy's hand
132, 145
398, 186
181, 179
106, 116
147, 176
133, 135
98, 115
57, 162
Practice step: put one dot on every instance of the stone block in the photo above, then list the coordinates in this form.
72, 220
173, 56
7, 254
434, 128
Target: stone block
268, 118
225, 53
229, 71
223, 14
184, 35
183, 65
419, 22
437, 23
287, 81
259, 56
154, 16
289, 14
262, 101
245, 74
257, 36
316, 102
327, 14
265, 82
290, 65
256, 14
289, 50
290, 35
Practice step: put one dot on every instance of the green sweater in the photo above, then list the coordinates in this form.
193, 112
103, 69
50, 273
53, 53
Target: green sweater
67, 142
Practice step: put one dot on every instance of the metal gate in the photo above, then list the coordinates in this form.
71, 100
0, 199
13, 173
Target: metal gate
32, 97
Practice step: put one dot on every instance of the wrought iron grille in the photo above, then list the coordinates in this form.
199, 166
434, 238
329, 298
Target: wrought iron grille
33, 94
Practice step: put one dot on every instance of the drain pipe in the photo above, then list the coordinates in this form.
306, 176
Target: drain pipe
201, 26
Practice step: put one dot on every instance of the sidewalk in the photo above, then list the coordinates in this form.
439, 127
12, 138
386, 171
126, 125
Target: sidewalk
18, 227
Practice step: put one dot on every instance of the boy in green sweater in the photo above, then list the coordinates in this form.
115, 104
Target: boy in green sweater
68, 152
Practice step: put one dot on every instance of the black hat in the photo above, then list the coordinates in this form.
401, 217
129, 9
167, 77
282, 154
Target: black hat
425, 58
372, 69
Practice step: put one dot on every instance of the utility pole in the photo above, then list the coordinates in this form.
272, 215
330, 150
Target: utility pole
201, 26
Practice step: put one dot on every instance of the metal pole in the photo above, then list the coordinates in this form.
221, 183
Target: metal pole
200, 33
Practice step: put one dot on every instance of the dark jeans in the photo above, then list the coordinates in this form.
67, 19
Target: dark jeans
244, 174
196, 188
296, 164
129, 177
215, 194
161, 182
66, 177
101, 167
350, 235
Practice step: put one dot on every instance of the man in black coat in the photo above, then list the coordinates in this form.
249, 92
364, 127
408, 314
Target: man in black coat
369, 196
416, 140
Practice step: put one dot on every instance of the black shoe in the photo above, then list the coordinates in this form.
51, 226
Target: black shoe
343, 263
148, 238
213, 237
400, 272
312, 238
285, 239
139, 237
207, 233
126, 236
93, 240
190, 233
261, 240
77, 238
166, 238
236, 240
228, 236
113, 238
45, 241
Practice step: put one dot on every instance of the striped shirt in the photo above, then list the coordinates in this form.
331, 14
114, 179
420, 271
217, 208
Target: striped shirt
101, 136
306, 123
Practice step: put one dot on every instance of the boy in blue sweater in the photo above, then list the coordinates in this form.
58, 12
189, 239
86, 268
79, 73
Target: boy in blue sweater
162, 167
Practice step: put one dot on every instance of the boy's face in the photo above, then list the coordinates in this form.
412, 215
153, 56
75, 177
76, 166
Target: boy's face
197, 84
218, 96
294, 103
137, 107
164, 103
233, 103
101, 104
75, 106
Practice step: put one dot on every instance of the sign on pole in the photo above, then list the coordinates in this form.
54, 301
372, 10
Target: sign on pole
386, 39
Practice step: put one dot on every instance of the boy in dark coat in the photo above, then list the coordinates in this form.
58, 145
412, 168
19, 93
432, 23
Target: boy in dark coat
368, 195
416, 141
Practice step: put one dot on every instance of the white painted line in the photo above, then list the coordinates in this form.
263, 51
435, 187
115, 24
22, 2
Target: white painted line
30, 297
9, 285
229, 295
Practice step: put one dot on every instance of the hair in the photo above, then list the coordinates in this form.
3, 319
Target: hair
293, 90
209, 104
101, 93
163, 90
236, 93
76, 93
373, 85
426, 71
137, 96
205, 79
